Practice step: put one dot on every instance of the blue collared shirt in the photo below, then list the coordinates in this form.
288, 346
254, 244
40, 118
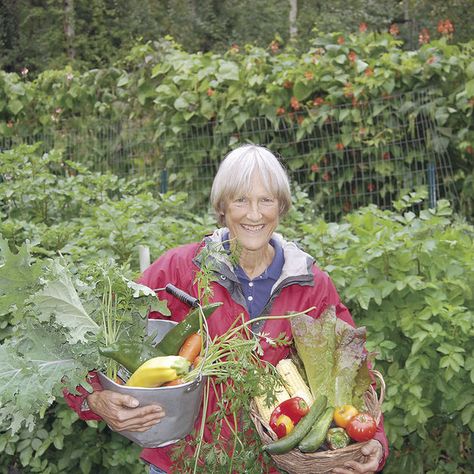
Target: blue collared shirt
257, 291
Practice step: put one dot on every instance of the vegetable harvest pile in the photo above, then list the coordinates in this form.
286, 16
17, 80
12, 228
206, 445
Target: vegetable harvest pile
333, 361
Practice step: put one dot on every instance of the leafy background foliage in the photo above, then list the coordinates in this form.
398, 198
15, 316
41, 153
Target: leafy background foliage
162, 107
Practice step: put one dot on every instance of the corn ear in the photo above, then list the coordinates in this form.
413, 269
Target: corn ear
293, 381
263, 409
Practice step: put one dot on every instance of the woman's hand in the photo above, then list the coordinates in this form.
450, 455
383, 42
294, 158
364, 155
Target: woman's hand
374, 452
121, 412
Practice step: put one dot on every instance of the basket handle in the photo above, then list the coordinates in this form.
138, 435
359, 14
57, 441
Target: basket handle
374, 401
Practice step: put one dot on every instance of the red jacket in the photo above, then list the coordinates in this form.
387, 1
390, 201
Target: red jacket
301, 285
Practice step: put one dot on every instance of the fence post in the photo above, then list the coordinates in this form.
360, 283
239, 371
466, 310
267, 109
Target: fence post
164, 181
143, 257
431, 185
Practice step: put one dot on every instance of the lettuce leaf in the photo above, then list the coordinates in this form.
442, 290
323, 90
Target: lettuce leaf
333, 356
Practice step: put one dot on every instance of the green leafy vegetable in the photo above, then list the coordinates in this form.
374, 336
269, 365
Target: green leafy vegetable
333, 356
59, 298
61, 321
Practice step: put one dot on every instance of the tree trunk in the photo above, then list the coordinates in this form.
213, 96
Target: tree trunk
293, 15
69, 28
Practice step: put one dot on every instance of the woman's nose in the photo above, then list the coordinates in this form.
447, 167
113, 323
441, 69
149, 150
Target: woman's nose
253, 212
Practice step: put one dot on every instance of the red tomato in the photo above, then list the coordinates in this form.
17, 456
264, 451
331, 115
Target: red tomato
343, 414
361, 427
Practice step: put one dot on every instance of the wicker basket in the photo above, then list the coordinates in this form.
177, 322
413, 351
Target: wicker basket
320, 462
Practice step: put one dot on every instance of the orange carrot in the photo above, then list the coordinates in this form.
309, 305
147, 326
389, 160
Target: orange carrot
197, 361
191, 347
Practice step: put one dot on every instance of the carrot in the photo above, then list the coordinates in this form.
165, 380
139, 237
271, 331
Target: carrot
191, 347
173, 383
197, 361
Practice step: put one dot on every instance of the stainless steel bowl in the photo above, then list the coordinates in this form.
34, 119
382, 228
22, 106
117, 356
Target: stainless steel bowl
181, 403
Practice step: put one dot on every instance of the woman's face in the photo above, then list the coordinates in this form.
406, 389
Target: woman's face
253, 217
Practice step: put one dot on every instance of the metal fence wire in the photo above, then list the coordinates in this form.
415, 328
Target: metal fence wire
343, 156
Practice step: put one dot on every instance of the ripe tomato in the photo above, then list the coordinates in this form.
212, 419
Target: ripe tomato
343, 414
361, 427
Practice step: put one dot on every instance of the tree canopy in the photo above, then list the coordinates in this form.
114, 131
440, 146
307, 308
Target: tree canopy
49, 34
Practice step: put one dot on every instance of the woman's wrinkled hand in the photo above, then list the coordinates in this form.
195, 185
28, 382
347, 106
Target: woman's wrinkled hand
373, 451
121, 412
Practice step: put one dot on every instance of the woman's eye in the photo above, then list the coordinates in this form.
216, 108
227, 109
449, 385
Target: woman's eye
241, 199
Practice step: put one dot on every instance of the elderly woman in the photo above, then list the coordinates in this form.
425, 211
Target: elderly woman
250, 194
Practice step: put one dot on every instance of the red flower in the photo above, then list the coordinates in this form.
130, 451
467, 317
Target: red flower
287, 84
371, 187
431, 59
281, 111
309, 75
445, 27
340, 40
470, 150
424, 36
363, 27
339, 146
394, 30
295, 105
369, 72
299, 119
352, 56
326, 177
386, 155
210, 92
314, 168
318, 101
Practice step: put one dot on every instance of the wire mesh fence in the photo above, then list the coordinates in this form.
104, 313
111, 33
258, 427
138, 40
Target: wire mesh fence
343, 156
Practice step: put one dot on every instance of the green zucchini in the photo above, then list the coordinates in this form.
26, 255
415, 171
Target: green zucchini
316, 436
291, 440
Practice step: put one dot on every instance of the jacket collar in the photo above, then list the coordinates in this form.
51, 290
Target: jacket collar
297, 266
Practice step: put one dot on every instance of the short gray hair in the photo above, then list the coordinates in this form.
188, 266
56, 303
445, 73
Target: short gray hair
235, 175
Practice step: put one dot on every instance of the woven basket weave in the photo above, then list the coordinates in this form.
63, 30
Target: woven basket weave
296, 462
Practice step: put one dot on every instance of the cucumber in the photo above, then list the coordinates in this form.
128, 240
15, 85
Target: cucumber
291, 440
316, 436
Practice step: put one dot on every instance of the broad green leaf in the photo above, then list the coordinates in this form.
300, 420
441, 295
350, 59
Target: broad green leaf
59, 299
19, 277
228, 71
15, 106
470, 88
302, 90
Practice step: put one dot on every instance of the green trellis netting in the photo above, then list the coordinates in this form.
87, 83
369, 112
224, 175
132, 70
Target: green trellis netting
344, 156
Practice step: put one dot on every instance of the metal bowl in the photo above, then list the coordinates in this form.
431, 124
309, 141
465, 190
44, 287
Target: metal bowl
181, 403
